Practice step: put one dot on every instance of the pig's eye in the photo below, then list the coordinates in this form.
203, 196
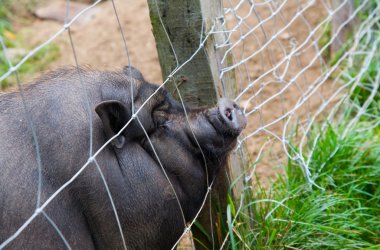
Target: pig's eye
162, 107
160, 118
160, 115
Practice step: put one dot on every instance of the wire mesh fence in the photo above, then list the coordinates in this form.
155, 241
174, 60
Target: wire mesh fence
286, 88
289, 75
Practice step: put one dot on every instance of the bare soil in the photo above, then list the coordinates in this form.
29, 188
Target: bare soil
98, 42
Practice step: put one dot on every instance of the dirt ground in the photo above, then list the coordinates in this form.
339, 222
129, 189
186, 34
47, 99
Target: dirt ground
272, 32
98, 42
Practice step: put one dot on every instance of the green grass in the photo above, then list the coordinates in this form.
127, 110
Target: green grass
12, 40
36, 63
366, 40
296, 215
369, 79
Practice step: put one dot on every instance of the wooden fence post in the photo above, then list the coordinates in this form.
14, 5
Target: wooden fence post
178, 27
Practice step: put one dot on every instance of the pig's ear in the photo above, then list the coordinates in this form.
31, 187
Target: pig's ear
133, 72
114, 116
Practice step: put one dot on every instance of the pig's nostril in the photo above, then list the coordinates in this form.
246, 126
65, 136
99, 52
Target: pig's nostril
230, 117
228, 114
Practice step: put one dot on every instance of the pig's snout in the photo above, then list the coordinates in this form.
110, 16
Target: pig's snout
231, 115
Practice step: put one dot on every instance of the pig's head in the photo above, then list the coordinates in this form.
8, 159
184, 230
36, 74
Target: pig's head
174, 129
199, 136
190, 144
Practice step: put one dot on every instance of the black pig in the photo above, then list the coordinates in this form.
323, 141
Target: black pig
58, 105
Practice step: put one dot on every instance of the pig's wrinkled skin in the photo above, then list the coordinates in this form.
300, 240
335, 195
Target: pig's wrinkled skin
148, 210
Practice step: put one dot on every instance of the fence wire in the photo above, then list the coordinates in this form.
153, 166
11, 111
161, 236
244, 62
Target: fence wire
278, 51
